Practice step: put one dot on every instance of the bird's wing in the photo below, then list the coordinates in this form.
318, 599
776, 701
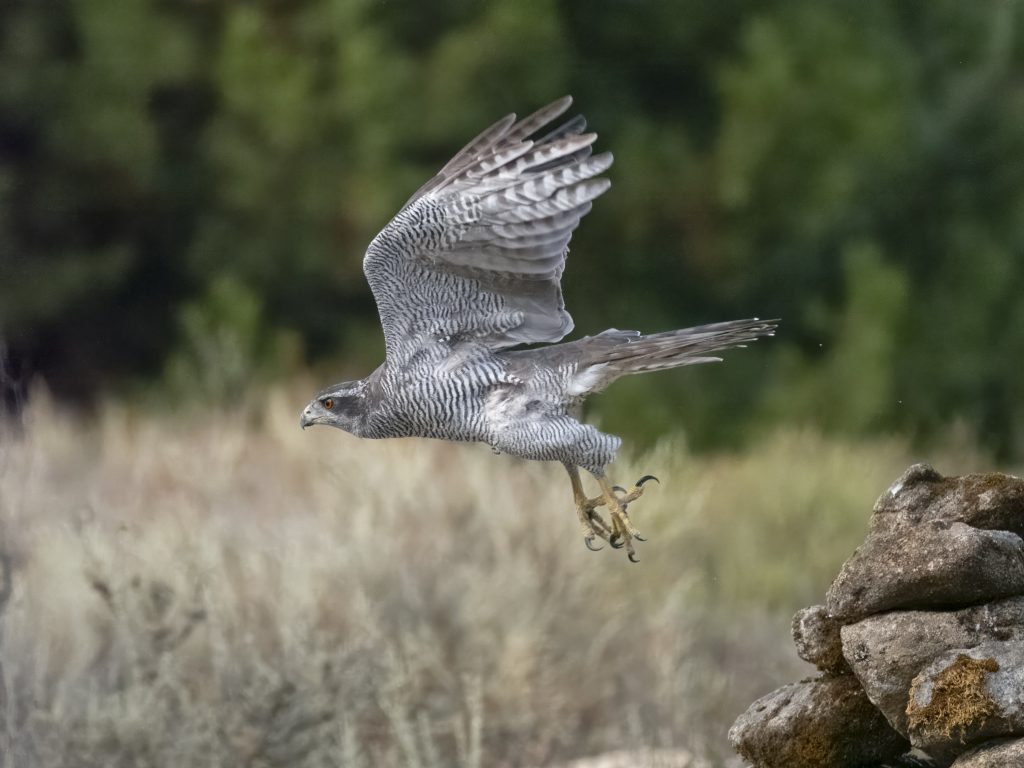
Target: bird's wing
477, 253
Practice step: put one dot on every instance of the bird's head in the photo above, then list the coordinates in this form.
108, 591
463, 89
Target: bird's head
341, 405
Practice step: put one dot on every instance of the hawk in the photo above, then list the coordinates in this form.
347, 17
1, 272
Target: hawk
468, 270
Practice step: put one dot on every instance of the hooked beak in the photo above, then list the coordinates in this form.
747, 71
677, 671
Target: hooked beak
307, 417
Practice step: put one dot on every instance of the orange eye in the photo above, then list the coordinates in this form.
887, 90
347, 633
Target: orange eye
329, 403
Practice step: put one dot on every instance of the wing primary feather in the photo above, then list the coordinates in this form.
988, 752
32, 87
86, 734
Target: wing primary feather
564, 199
571, 127
512, 162
566, 220
494, 163
484, 139
579, 154
533, 123
518, 240
528, 188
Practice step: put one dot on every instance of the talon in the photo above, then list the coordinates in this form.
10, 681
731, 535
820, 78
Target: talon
616, 541
633, 558
645, 478
618, 488
589, 541
638, 537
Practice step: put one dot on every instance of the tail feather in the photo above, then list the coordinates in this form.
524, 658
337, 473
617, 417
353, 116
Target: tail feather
631, 352
603, 358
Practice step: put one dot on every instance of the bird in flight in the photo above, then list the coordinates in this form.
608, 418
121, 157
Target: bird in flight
469, 269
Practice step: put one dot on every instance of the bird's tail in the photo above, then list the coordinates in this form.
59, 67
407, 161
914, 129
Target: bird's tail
615, 353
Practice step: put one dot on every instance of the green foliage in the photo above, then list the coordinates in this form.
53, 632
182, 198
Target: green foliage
225, 349
850, 386
846, 167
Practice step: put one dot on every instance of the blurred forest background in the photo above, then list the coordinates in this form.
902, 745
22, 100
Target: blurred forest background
187, 187
186, 191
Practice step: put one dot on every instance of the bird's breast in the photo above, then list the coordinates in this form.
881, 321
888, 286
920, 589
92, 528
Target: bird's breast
442, 397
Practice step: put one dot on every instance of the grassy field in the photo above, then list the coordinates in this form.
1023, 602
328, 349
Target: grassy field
227, 590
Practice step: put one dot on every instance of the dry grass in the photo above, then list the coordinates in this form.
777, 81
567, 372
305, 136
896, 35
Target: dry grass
218, 590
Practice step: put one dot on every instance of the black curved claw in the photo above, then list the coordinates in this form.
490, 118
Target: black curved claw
616, 541
618, 488
645, 478
633, 558
638, 537
589, 541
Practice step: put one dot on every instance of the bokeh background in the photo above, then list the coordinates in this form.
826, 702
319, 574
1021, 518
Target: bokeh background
186, 191
177, 175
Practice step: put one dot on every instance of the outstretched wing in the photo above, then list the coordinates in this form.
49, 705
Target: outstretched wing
478, 252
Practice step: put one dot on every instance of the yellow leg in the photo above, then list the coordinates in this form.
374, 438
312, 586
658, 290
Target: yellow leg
591, 522
622, 528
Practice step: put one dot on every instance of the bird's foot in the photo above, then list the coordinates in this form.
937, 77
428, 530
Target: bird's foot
628, 497
623, 532
618, 530
591, 522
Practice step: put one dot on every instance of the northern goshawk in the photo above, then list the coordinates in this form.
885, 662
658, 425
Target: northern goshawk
469, 268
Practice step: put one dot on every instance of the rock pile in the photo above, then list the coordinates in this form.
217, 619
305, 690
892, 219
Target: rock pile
920, 643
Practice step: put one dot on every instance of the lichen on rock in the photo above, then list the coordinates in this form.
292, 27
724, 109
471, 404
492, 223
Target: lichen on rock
966, 698
953, 702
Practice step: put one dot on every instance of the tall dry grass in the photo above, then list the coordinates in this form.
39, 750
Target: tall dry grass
227, 590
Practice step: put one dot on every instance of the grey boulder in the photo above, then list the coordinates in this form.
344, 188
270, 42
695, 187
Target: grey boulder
1007, 753
926, 533
886, 652
817, 640
991, 500
822, 723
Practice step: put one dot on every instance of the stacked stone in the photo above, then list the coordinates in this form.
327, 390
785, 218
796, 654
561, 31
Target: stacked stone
920, 644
